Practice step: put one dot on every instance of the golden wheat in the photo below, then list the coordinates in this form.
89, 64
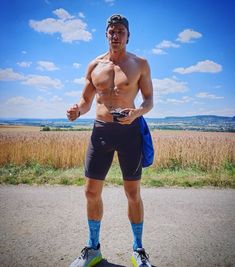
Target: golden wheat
203, 149
60, 149
67, 149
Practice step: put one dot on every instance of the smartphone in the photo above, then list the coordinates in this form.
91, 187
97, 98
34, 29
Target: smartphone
118, 114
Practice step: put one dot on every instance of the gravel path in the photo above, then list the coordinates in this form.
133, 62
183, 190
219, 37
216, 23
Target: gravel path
46, 226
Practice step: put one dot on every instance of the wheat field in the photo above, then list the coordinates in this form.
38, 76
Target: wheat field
67, 149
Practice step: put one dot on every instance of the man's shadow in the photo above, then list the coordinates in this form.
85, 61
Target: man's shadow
105, 263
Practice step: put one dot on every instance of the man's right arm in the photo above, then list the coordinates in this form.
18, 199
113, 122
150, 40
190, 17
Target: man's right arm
87, 97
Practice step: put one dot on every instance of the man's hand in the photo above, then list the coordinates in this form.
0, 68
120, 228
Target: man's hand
73, 113
132, 114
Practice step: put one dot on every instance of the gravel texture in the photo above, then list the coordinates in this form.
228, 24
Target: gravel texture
47, 226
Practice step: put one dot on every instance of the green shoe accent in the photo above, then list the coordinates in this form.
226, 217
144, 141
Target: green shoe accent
140, 258
133, 261
95, 261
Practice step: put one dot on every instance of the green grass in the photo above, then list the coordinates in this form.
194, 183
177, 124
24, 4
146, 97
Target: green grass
47, 129
34, 173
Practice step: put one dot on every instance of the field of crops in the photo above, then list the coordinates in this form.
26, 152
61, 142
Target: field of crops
67, 149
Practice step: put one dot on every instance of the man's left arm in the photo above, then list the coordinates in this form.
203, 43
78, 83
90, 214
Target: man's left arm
146, 88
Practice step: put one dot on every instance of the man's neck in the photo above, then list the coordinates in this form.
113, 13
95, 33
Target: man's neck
117, 56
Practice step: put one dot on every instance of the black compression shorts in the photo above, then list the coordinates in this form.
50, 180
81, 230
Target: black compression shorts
108, 137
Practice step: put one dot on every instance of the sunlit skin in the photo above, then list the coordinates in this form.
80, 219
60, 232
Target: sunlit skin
114, 79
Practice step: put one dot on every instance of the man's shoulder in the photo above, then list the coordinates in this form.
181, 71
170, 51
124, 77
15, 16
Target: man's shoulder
102, 56
99, 58
140, 60
96, 60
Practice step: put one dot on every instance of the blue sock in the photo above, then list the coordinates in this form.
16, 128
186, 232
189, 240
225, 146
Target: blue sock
137, 229
94, 232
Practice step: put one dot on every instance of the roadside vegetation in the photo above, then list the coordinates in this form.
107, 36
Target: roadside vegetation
34, 173
182, 158
58, 129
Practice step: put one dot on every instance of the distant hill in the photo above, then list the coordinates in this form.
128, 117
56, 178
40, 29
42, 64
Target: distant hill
197, 123
202, 118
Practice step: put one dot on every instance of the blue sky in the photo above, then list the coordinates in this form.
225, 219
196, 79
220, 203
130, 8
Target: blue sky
47, 44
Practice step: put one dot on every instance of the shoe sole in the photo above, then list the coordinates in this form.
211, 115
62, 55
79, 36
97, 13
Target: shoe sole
95, 261
134, 261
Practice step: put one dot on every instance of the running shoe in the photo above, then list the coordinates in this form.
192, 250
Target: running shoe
89, 257
140, 258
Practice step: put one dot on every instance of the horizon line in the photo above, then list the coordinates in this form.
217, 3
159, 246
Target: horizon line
92, 118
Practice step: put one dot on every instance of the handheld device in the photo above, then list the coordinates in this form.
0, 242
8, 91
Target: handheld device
117, 114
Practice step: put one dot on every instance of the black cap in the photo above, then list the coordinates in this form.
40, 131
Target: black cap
117, 19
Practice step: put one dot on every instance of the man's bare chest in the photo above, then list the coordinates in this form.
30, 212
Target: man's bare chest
106, 75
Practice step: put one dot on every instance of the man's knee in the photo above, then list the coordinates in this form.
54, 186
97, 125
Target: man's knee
132, 190
92, 194
93, 190
133, 196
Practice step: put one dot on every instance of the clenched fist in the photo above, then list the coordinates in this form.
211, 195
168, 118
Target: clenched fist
73, 113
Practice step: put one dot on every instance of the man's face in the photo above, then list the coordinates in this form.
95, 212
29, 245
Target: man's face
117, 35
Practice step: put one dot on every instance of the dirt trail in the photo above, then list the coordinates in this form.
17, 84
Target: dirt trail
46, 226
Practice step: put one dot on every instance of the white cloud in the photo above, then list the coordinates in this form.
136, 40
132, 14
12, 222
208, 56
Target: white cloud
76, 65
207, 66
161, 100
198, 103
79, 80
46, 65
219, 112
19, 100
39, 81
73, 93
56, 98
70, 28
40, 99
9, 75
167, 86
184, 37
167, 44
187, 35
62, 14
81, 15
158, 99
225, 112
24, 64
24, 52
39, 107
187, 99
158, 51
174, 77
184, 99
110, 2
43, 82
208, 95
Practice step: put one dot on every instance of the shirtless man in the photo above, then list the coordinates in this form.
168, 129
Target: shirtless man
114, 79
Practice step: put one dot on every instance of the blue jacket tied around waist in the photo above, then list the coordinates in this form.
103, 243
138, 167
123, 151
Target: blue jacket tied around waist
147, 143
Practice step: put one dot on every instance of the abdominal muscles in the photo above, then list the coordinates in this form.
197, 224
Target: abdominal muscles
113, 88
